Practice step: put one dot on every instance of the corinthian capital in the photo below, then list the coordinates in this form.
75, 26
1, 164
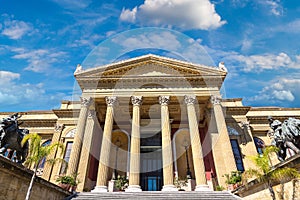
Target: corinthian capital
136, 100
110, 101
86, 101
215, 100
164, 100
188, 99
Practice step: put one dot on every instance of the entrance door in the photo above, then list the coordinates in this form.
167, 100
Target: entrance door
151, 163
151, 169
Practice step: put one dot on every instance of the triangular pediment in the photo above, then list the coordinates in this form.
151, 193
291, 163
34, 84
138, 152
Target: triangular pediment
150, 66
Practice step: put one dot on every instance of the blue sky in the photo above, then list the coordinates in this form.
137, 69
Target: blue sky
42, 41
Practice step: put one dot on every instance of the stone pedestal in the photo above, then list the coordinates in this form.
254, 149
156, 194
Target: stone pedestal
133, 188
169, 188
100, 189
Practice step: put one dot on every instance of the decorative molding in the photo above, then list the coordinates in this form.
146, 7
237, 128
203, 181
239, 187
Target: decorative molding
136, 100
71, 133
189, 99
164, 100
111, 101
86, 102
245, 124
59, 127
215, 100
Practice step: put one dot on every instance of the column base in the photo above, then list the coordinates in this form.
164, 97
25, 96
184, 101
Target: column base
169, 188
203, 188
133, 188
100, 189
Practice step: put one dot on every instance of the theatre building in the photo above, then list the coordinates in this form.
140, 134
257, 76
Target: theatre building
152, 119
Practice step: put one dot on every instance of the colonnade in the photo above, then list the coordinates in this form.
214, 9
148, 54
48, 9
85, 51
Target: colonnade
134, 172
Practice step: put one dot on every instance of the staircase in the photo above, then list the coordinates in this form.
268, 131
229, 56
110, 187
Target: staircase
211, 195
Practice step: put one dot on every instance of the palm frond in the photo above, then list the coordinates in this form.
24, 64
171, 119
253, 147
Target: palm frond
284, 174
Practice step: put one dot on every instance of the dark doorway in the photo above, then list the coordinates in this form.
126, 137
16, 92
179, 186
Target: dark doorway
151, 163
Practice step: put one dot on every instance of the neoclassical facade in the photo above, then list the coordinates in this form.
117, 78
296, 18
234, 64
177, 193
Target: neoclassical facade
152, 119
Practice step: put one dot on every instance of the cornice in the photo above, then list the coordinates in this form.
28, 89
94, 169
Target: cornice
147, 58
66, 113
237, 110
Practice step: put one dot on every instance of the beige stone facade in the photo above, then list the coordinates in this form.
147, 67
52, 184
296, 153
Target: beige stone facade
152, 119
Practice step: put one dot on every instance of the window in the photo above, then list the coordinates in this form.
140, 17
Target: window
63, 169
42, 163
237, 155
259, 144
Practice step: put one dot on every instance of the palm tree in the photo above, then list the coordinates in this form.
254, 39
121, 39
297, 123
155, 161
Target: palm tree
36, 154
267, 173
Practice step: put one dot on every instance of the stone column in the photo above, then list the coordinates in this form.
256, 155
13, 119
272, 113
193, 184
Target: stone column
166, 145
222, 150
77, 144
102, 177
134, 175
199, 168
48, 169
84, 162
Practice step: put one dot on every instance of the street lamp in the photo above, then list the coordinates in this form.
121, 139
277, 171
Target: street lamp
186, 146
118, 145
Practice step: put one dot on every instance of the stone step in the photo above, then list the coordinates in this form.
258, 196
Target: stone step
211, 195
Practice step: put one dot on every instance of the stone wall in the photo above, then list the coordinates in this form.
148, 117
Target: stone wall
15, 179
290, 190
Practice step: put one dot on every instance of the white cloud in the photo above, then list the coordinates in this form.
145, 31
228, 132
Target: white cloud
161, 40
189, 14
128, 15
279, 90
291, 27
15, 93
70, 4
258, 63
7, 76
15, 29
39, 60
273, 6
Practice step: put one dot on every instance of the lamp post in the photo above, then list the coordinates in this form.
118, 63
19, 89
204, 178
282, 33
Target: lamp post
186, 146
118, 145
